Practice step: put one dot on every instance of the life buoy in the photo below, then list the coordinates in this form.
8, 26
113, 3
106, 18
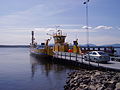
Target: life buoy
70, 50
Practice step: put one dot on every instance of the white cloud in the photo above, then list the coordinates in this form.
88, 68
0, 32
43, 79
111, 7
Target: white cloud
70, 25
40, 29
45, 30
103, 27
84, 27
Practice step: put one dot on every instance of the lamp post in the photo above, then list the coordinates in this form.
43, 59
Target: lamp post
87, 26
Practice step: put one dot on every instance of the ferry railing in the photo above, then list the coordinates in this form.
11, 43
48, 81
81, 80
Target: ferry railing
68, 55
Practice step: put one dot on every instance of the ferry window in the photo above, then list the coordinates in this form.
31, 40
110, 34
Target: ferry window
55, 38
42, 43
58, 38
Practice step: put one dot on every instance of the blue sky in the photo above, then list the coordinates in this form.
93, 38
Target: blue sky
19, 17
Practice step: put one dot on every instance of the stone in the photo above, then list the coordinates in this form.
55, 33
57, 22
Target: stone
97, 73
72, 80
92, 87
86, 81
117, 86
112, 86
100, 88
109, 89
78, 88
76, 78
111, 81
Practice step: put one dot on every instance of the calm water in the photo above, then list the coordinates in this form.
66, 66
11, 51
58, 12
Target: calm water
20, 71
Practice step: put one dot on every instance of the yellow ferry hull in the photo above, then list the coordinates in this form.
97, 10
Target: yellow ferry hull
39, 52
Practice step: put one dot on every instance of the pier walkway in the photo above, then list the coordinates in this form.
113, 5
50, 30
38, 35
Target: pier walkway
114, 65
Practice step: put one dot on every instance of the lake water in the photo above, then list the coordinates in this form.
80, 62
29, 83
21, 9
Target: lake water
20, 71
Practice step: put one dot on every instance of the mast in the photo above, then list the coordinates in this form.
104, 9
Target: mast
32, 37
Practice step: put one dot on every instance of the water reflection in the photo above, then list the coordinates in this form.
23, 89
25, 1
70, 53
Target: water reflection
46, 66
20, 71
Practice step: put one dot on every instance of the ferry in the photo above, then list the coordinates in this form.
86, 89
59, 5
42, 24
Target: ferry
44, 50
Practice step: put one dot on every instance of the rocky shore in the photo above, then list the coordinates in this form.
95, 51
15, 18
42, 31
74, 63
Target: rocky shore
92, 80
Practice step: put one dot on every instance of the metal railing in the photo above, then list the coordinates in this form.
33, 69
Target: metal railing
73, 57
77, 58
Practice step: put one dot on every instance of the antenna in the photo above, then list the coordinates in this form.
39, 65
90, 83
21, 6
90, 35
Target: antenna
56, 27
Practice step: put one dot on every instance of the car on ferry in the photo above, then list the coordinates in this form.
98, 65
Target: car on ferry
97, 56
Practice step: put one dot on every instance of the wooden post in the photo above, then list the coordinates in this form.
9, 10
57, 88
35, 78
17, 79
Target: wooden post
99, 49
70, 55
76, 56
57, 54
53, 57
85, 49
65, 55
61, 55
98, 62
105, 49
89, 61
82, 59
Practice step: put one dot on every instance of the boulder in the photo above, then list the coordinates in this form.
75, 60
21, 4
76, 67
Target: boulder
117, 86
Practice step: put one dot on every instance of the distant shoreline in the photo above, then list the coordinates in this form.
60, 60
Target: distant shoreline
27, 46
24, 46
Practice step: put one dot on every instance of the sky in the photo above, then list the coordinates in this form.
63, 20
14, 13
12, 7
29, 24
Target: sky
19, 17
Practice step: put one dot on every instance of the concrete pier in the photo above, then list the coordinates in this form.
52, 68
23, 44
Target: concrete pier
114, 65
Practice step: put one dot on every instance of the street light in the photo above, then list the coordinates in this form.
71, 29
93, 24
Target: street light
87, 26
